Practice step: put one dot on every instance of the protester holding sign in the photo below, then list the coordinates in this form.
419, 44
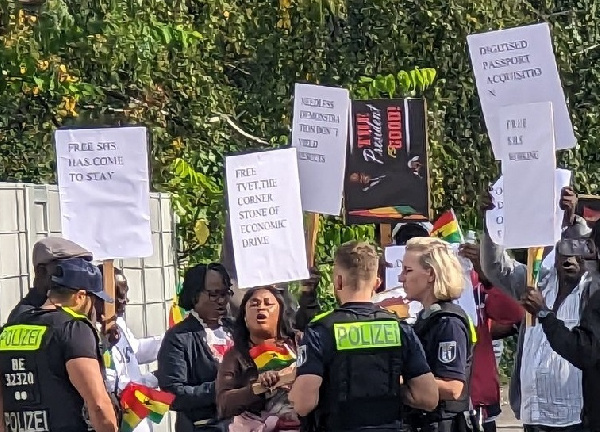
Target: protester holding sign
533, 399
580, 345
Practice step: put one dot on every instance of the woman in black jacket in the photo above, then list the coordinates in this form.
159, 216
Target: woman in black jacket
192, 350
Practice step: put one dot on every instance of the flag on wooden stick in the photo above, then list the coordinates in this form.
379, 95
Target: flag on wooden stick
446, 227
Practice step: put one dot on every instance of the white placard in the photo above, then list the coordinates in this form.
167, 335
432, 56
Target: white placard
105, 191
467, 299
529, 169
494, 218
267, 227
516, 66
320, 135
393, 256
393, 287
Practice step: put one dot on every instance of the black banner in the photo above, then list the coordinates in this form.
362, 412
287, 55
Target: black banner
387, 179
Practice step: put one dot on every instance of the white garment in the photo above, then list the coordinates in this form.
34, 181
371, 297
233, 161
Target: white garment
551, 393
127, 355
467, 299
548, 261
218, 340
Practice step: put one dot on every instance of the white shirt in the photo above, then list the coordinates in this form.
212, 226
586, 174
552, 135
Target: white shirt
218, 340
127, 355
551, 393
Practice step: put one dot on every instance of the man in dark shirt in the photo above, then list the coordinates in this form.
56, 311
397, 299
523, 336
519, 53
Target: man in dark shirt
61, 360
378, 365
581, 344
46, 254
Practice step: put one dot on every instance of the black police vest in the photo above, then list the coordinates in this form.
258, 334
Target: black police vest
361, 385
35, 398
425, 323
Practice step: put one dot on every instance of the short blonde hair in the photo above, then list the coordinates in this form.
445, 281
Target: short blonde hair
359, 259
435, 254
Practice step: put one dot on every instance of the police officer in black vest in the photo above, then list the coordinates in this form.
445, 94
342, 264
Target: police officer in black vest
352, 361
50, 359
432, 275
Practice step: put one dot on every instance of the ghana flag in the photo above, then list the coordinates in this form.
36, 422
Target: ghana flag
535, 256
446, 227
107, 358
176, 313
140, 402
268, 356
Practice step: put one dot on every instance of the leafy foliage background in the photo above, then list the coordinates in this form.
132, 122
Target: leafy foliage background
209, 77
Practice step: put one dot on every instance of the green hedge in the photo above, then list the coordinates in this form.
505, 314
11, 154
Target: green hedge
196, 71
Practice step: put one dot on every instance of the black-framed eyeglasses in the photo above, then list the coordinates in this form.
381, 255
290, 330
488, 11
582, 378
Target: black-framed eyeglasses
216, 295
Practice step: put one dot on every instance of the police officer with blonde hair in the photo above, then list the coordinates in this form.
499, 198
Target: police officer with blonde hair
432, 275
352, 361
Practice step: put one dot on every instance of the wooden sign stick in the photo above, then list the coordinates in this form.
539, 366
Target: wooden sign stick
385, 235
312, 230
534, 255
108, 280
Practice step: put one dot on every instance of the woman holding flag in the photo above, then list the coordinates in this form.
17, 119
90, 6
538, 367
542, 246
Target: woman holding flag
262, 354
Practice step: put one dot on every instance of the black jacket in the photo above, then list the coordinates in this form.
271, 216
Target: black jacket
33, 299
581, 347
187, 368
308, 309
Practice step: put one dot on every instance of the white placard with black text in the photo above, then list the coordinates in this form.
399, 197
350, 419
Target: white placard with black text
267, 226
320, 135
516, 66
105, 191
494, 218
529, 171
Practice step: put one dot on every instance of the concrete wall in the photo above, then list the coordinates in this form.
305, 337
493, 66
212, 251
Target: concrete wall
31, 212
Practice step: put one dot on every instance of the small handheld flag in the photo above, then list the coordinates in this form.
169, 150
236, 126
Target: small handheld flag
108, 359
176, 313
140, 402
446, 227
268, 357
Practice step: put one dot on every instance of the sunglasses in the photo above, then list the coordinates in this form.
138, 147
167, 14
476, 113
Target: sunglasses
584, 248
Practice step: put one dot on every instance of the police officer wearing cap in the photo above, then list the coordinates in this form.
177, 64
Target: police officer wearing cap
50, 359
352, 361
432, 275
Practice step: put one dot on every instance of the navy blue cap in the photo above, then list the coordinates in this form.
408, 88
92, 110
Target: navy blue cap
80, 274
